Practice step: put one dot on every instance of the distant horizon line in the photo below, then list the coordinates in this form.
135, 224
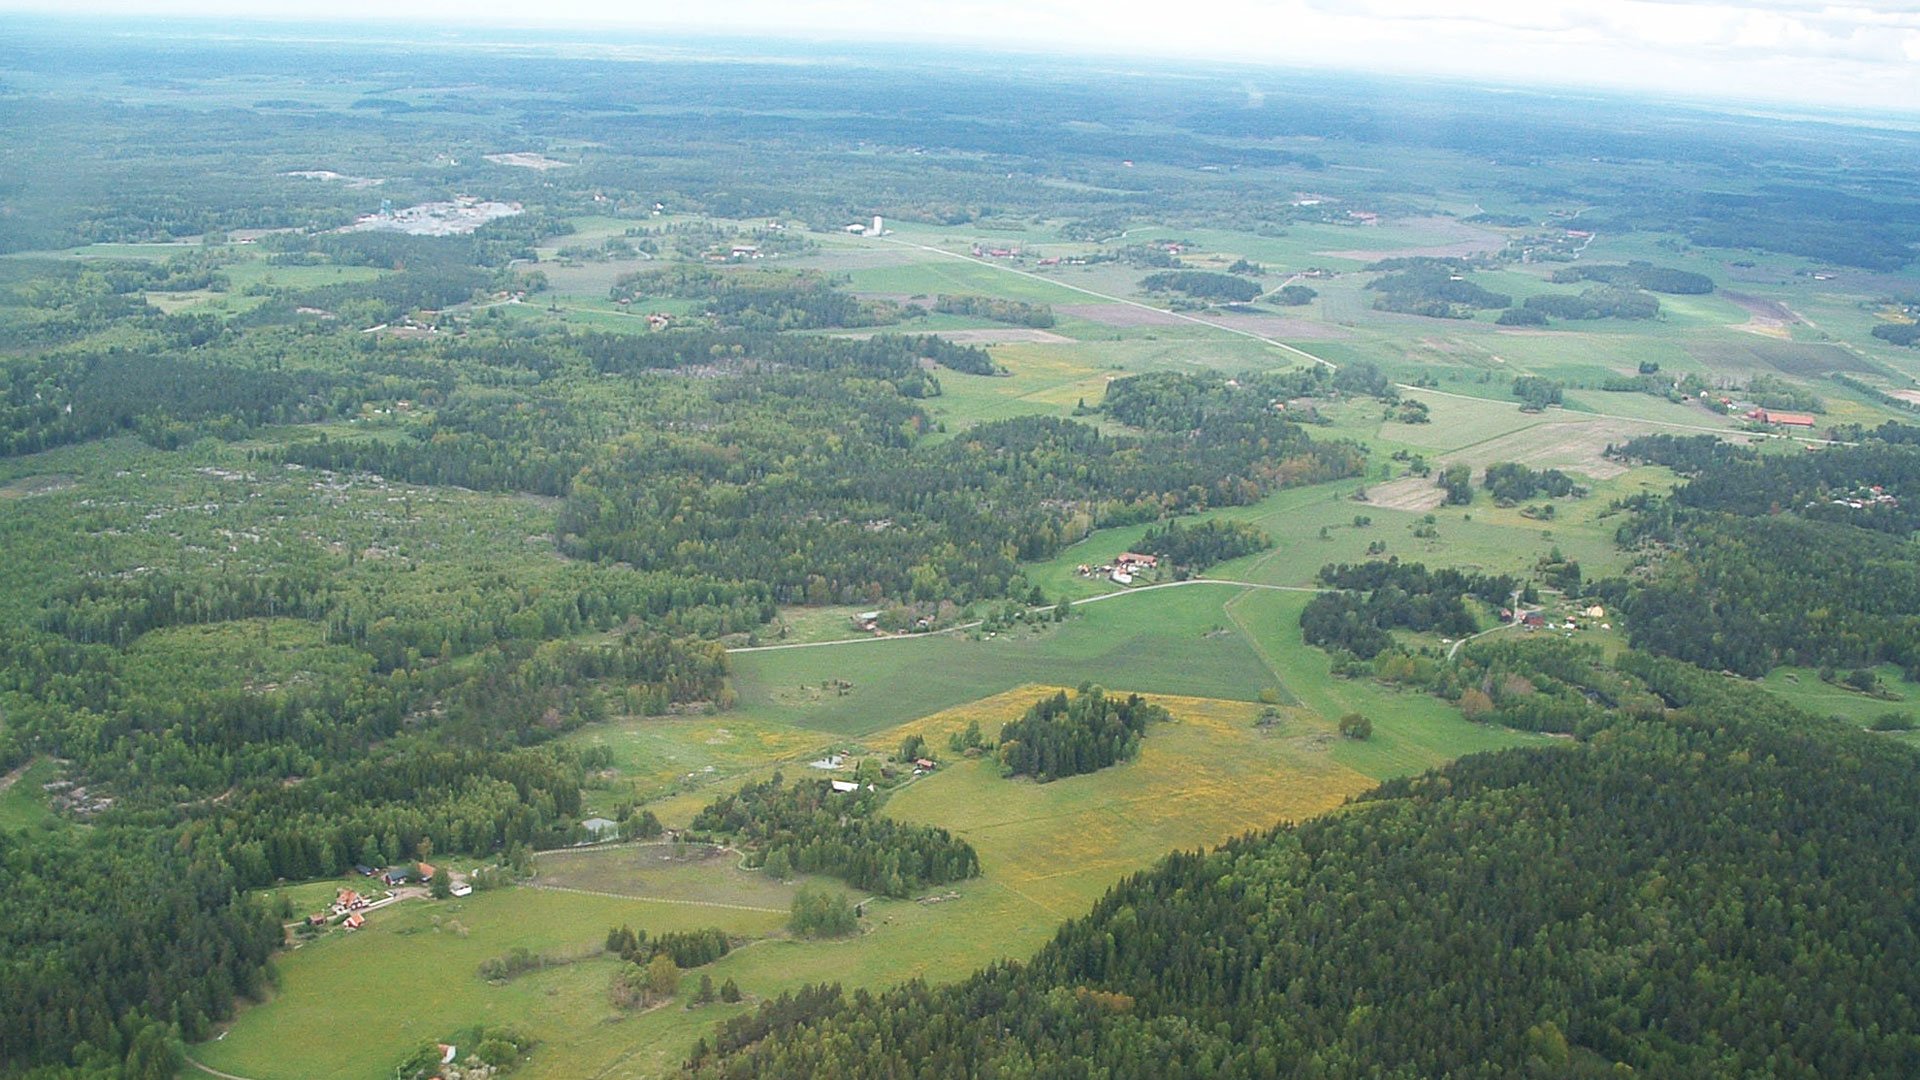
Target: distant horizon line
682, 42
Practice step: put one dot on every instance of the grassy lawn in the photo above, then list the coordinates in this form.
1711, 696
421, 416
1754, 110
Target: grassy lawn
1411, 731
654, 755
1802, 687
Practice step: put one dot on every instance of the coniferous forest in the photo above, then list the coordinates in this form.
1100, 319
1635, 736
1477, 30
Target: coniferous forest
529, 457
1636, 904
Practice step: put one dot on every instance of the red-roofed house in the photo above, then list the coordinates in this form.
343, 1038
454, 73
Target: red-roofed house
1784, 419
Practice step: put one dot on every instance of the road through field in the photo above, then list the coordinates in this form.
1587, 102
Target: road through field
1043, 607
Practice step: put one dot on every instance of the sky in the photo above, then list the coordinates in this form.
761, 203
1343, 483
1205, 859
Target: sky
1863, 54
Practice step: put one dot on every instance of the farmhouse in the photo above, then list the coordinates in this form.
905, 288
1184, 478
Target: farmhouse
844, 786
1783, 419
355, 921
398, 875
1128, 560
1120, 577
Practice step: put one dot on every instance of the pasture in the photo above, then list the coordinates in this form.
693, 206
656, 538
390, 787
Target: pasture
352, 1004
1168, 641
1208, 775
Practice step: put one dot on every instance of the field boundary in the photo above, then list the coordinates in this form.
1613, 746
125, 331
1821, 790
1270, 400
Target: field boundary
656, 899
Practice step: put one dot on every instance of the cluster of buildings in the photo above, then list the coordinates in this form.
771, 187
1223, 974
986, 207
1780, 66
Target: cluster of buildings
1781, 419
1538, 620
1862, 498
1123, 569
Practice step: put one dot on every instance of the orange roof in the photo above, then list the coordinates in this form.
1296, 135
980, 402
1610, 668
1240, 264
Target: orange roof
426, 870
1793, 419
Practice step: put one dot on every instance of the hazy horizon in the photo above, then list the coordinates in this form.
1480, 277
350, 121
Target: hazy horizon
1865, 57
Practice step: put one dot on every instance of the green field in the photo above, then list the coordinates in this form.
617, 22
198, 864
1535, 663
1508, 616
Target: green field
23, 803
1169, 641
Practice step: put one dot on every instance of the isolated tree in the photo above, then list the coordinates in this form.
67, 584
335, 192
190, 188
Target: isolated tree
1355, 726
663, 976
730, 991
705, 994
441, 886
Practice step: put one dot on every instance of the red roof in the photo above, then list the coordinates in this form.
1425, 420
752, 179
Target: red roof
1791, 419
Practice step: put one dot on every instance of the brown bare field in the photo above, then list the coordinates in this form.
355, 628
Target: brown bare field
1768, 317
1417, 494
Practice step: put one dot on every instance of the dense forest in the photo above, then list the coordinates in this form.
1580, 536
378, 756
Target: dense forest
1660, 279
809, 828
1767, 559
1203, 285
1600, 302
1627, 904
1016, 312
1190, 549
1376, 597
1066, 735
1509, 482
1441, 288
